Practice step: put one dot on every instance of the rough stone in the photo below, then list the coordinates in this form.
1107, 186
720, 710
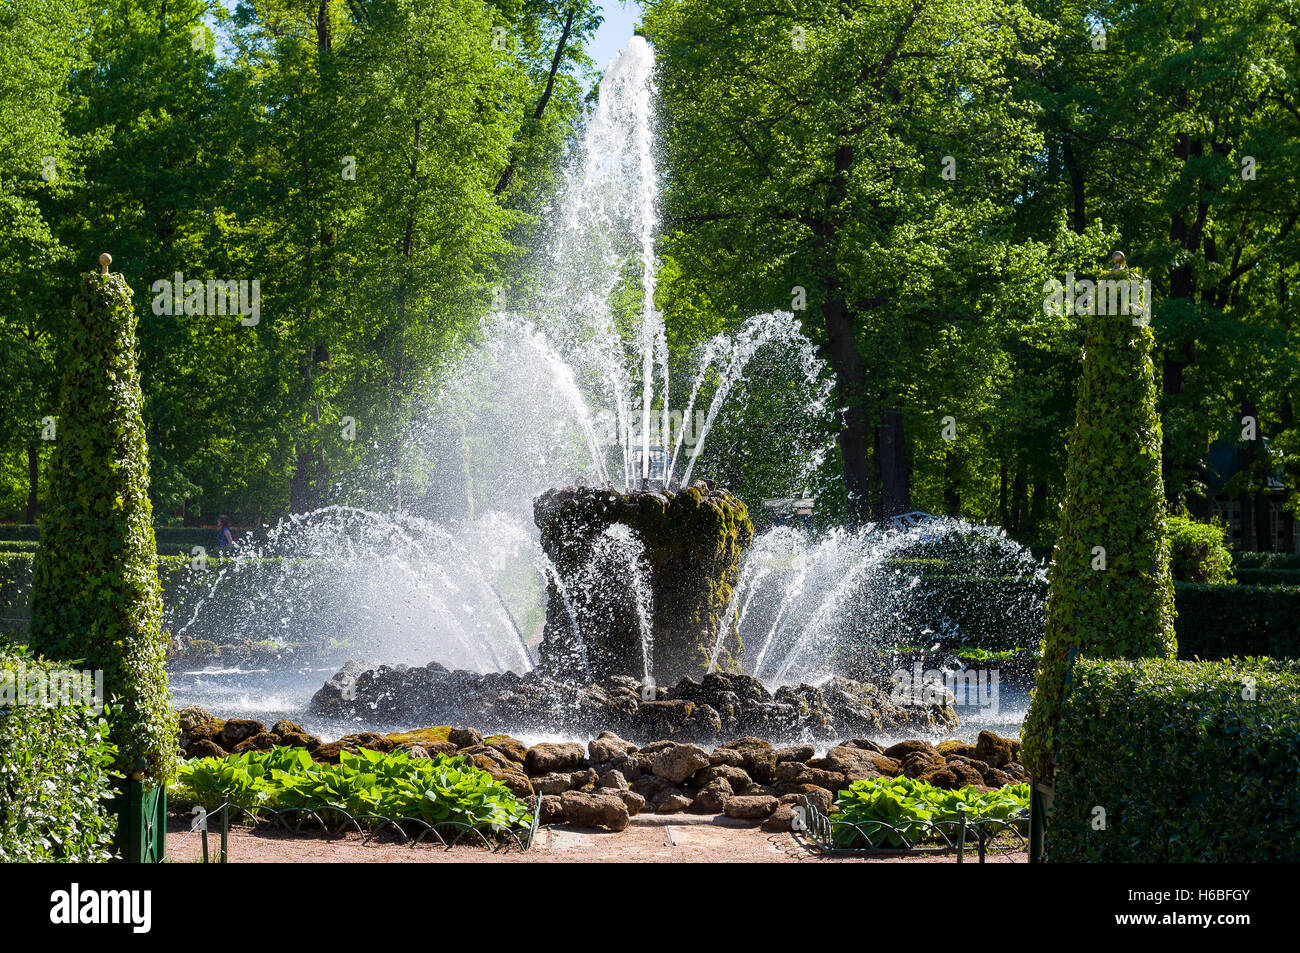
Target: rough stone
607, 746
236, 730
464, 737
750, 808
995, 750
613, 778
594, 809
795, 753
679, 762
545, 758
203, 748
671, 802
712, 797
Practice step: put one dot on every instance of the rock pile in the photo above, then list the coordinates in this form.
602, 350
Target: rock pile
612, 779
717, 706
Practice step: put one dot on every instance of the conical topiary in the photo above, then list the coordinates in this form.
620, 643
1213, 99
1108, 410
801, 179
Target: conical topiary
96, 600
1110, 594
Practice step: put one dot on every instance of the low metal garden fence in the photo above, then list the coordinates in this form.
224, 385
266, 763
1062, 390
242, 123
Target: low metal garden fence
986, 837
412, 831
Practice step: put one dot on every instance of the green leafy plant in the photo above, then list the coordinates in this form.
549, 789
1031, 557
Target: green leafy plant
1197, 552
392, 785
56, 775
902, 812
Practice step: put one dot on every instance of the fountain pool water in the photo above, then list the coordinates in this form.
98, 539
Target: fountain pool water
559, 394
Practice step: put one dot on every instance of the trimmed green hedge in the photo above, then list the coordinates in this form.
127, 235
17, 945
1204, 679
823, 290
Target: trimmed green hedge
180, 537
1266, 560
1216, 622
1268, 577
55, 777
1184, 766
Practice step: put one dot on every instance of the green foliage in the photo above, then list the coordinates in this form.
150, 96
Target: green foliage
1192, 762
55, 769
1197, 552
1268, 577
1218, 622
910, 808
95, 595
1113, 500
391, 785
1266, 560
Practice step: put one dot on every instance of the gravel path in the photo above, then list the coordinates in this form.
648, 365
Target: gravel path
656, 842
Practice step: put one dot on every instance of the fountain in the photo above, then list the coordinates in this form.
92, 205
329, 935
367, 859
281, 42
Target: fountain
576, 574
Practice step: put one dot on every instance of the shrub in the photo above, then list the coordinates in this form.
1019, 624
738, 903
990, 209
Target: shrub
1252, 560
900, 812
1114, 499
95, 594
1268, 577
1197, 552
394, 785
1217, 622
55, 777
1185, 768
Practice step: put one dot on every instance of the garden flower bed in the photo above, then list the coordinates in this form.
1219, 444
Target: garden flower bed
441, 796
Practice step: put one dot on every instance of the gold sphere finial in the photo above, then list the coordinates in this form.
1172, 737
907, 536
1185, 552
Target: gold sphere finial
104, 261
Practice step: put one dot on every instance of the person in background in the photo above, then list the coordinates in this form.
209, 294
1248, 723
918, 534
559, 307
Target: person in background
225, 536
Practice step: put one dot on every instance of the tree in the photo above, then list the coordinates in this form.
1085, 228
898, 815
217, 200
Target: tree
865, 154
38, 161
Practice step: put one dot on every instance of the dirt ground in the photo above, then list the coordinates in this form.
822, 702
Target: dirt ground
648, 840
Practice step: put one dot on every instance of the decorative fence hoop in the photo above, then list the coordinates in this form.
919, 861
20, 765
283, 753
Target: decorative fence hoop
413, 831
919, 837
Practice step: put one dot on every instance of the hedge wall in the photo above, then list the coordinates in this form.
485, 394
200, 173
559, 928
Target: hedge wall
1268, 577
1216, 622
55, 779
1184, 766
178, 536
1266, 560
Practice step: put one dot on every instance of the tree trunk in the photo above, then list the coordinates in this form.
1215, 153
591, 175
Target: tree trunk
33, 480
951, 496
893, 465
850, 384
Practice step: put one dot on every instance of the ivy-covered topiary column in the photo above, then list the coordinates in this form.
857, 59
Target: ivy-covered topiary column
1109, 593
96, 599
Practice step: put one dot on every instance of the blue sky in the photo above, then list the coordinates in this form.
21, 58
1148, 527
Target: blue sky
621, 18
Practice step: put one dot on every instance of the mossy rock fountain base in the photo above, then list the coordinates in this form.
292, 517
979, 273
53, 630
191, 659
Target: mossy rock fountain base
688, 543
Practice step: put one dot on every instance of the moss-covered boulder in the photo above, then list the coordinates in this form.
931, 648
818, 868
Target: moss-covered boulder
684, 545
